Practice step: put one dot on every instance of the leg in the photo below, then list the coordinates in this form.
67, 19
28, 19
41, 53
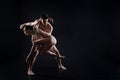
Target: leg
31, 59
52, 50
58, 57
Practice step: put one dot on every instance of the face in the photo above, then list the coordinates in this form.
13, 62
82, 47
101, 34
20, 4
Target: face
27, 32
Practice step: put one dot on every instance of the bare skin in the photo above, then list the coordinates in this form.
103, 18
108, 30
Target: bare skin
43, 42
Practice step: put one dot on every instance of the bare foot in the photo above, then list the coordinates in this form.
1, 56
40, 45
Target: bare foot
62, 67
30, 73
62, 57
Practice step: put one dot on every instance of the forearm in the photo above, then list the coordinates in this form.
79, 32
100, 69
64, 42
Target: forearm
26, 24
43, 32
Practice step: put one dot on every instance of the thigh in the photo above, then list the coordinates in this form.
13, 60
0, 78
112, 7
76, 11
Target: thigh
44, 44
43, 41
40, 43
45, 48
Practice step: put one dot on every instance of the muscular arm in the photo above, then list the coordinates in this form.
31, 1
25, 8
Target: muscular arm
27, 24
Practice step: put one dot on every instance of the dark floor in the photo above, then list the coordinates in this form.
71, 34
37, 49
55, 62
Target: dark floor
93, 71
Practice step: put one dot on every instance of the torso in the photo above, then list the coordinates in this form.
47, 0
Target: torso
47, 28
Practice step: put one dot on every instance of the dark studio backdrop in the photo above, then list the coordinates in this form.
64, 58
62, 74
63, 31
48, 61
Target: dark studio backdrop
88, 34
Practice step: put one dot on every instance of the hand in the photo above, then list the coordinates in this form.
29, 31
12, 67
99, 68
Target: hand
21, 26
51, 20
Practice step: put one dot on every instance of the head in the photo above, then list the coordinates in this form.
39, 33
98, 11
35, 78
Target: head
44, 17
28, 30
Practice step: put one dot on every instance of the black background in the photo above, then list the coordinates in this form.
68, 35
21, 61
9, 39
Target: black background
88, 34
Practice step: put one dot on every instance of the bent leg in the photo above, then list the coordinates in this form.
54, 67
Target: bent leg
52, 50
58, 57
55, 51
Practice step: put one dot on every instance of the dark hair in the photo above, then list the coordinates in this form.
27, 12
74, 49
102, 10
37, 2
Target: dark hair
44, 16
28, 28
